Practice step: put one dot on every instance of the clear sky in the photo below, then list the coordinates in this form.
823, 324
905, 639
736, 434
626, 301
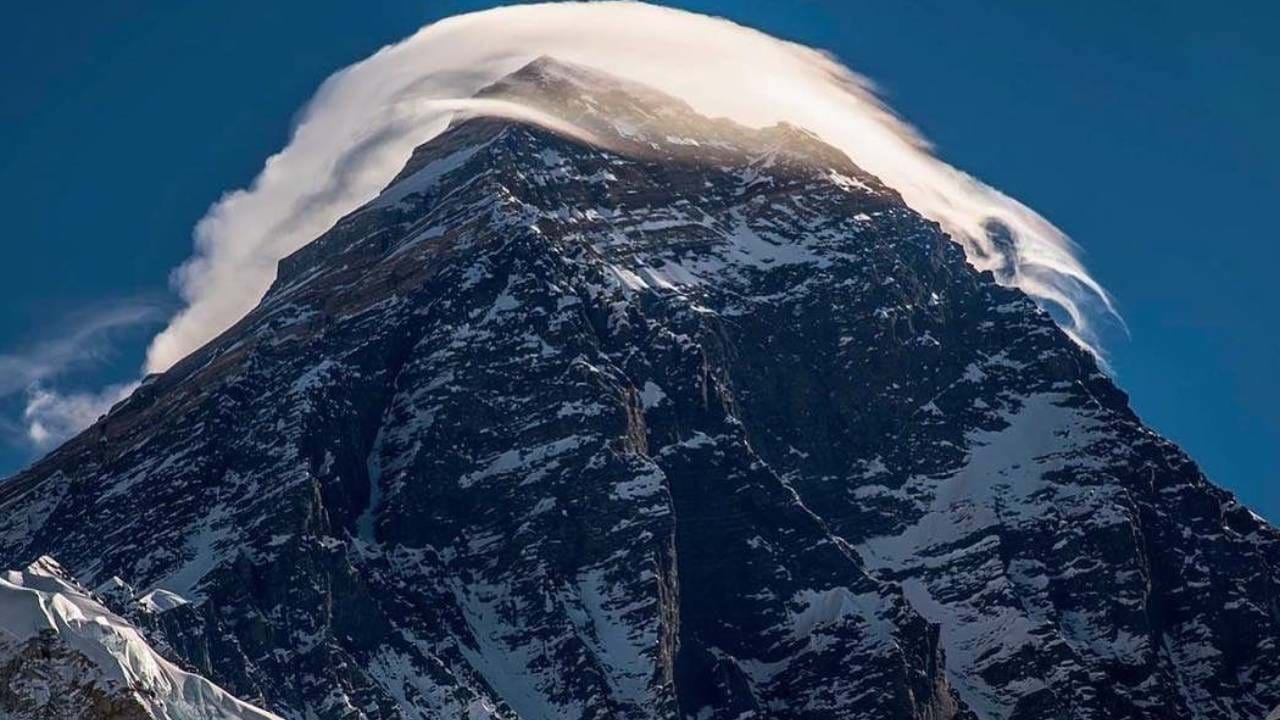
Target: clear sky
1143, 129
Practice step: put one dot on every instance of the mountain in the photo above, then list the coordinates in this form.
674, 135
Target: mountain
692, 420
63, 656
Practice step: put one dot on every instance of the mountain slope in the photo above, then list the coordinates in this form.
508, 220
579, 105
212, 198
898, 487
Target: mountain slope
696, 421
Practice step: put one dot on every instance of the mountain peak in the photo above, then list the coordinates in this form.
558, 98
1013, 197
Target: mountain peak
703, 422
551, 83
634, 118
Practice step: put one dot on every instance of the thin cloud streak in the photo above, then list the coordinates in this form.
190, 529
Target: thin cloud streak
49, 415
87, 341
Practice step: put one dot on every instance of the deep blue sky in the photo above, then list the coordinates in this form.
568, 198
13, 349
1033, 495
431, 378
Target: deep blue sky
1144, 129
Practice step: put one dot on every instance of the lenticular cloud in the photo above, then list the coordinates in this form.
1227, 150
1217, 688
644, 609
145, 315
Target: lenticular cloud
362, 124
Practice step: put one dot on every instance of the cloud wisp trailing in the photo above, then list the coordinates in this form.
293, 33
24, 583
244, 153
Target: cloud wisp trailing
360, 127
85, 342
51, 416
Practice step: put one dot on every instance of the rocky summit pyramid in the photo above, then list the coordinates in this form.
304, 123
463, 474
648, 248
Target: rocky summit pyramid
690, 421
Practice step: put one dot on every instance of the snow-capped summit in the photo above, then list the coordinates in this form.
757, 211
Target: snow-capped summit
700, 422
637, 120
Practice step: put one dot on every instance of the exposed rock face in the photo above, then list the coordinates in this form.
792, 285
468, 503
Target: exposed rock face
704, 423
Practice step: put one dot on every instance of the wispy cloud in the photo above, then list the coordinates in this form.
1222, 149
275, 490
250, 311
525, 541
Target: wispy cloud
85, 342
51, 415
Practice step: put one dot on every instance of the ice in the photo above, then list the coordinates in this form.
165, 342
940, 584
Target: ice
160, 600
43, 601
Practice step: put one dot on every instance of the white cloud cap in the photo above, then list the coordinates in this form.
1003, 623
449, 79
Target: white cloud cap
361, 126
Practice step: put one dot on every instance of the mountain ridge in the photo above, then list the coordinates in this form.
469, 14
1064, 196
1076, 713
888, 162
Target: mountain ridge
64, 655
